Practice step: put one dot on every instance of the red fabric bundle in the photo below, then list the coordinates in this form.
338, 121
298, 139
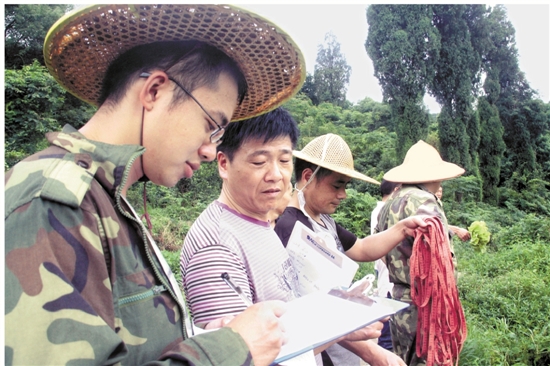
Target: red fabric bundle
441, 328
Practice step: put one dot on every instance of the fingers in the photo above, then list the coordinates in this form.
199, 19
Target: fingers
220, 322
384, 357
278, 307
260, 327
369, 332
377, 326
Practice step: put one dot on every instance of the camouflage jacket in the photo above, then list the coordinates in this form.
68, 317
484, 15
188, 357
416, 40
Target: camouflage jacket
408, 201
81, 283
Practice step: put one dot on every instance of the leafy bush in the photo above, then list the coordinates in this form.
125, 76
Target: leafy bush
506, 296
463, 189
35, 105
173, 260
532, 196
531, 228
354, 212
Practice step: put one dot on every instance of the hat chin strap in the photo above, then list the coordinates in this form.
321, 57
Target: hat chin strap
144, 178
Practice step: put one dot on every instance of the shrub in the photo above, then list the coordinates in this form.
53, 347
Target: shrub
354, 212
506, 295
173, 260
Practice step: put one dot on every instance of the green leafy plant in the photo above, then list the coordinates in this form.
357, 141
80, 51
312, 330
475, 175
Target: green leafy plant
480, 236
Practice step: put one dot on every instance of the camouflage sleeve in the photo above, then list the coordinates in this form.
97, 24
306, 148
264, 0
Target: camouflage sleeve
222, 347
59, 302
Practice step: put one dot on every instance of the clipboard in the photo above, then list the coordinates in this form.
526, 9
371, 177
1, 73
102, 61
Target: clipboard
318, 318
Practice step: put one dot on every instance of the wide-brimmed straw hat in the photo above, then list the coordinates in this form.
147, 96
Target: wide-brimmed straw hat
80, 46
423, 164
331, 152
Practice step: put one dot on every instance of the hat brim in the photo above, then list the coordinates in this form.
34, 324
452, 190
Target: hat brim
80, 46
336, 168
420, 174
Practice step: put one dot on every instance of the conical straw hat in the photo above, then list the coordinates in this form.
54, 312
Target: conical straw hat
80, 46
423, 164
331, 152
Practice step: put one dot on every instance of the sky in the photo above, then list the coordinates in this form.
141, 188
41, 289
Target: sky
308, 24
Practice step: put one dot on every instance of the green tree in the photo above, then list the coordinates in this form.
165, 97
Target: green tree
308, 89
499, 64
491, 148
543, 155
332, 72
25, 29
457, 74
403, 46
524, 120
411, 124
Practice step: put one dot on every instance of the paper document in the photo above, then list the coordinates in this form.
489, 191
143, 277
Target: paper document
315, 319
319, 267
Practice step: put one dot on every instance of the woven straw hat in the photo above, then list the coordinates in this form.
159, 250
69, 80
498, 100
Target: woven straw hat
331, 152
80, 46
423, 164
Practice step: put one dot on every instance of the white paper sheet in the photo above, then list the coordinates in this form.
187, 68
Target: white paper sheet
318, 266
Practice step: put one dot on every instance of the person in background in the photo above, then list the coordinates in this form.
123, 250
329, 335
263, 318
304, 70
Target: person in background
462, 233
383, 281
420, 175
85, 282
323, 169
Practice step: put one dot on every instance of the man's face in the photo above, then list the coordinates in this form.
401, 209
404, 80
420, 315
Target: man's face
324, 196
258, 177
177, 137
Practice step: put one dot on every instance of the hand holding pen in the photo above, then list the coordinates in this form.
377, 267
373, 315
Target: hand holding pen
259, 325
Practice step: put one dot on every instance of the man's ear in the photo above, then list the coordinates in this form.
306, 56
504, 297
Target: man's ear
306, 174
156, 85
223, 163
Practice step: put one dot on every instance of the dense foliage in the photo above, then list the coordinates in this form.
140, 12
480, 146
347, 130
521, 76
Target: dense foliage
447, 51
36, 104
25, 29
505, 290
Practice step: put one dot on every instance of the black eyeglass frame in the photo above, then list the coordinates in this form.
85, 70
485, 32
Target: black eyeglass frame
216, 136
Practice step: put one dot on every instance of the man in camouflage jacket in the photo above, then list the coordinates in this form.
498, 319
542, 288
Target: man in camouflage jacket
420, 174
85, 282
81, 282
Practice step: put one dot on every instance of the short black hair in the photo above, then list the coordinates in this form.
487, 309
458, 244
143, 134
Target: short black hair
194, 64
268, 126
387, 187
300, 165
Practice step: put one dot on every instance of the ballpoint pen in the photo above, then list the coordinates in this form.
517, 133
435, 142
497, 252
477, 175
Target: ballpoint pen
237, 289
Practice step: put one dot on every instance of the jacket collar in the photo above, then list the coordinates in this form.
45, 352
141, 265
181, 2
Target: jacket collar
110, 164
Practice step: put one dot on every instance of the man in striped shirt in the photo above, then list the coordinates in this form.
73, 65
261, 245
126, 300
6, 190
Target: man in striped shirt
233, 234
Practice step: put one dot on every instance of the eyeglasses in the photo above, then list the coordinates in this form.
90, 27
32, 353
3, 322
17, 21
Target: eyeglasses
217, 135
